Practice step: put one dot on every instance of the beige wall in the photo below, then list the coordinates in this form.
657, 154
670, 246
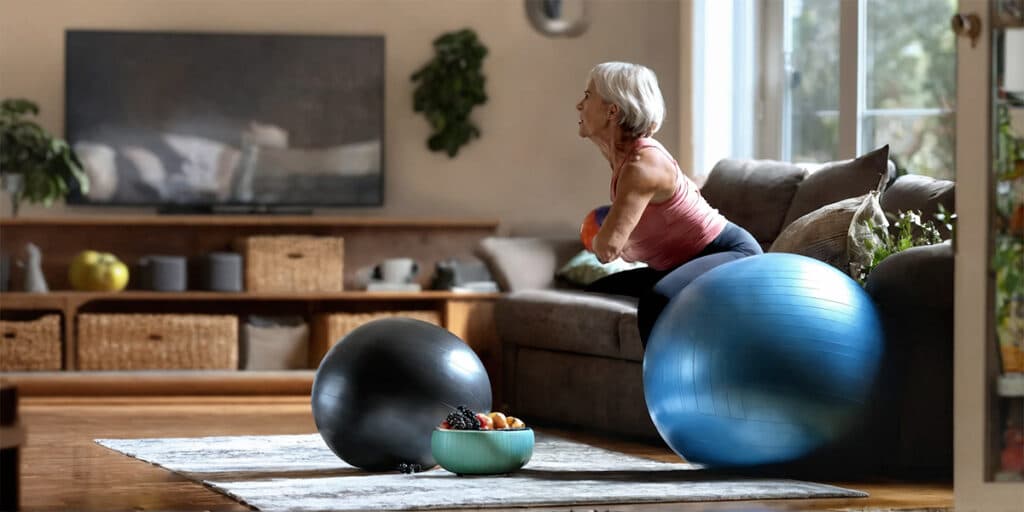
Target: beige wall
529, 170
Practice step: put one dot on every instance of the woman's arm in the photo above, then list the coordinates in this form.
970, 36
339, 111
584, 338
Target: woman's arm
638, 183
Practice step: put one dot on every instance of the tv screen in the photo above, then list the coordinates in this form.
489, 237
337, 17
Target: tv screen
207, 119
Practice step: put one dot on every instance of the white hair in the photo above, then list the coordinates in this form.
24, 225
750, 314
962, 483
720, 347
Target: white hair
634, 88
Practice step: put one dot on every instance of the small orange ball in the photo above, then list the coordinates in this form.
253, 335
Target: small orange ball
591, 225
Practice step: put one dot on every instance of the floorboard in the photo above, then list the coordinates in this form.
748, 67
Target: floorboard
62, 468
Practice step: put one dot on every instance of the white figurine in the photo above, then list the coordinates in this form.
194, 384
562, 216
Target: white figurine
34, 280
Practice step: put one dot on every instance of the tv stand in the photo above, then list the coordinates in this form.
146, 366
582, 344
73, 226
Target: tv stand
368, 240
225, 209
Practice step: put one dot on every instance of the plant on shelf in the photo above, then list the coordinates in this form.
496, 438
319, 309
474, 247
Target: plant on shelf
449, 86
907, 231
34, 165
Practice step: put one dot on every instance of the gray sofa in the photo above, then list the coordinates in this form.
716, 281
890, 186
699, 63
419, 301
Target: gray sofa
574, 358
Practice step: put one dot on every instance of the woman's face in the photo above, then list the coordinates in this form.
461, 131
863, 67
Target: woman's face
593, 112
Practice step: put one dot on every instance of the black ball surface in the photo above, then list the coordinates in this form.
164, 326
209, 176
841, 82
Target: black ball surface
380, 391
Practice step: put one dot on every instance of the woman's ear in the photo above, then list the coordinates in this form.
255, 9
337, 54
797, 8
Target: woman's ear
613, 110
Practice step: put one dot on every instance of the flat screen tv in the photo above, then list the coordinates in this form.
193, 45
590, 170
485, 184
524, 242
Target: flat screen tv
238, 121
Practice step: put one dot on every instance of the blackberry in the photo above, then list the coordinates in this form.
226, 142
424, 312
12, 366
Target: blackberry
463, 419
410, 467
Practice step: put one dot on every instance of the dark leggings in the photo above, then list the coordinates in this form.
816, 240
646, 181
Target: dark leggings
655, 288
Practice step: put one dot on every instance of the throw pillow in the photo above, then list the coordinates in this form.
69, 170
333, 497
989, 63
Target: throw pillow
835, 181
755, 194
585, 268
821, 234
860, 234
920, 193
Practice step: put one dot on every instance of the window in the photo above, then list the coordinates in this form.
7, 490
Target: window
857, 75
829, 79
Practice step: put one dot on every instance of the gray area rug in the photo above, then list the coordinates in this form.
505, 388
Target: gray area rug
299, 473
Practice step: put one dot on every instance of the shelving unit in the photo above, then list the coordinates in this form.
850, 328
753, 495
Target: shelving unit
987, 401
367, 241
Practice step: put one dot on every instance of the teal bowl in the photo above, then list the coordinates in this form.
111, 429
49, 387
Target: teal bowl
482, 452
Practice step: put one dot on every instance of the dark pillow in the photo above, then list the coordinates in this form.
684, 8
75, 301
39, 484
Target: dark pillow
921, 193
836, 181
754, 194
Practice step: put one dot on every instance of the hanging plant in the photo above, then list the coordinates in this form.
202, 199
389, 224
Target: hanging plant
448, 87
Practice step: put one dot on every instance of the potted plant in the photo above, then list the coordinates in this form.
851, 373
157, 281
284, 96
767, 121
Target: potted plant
448, 87
34, 165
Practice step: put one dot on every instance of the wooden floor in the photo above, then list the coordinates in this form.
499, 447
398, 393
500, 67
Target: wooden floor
62, 468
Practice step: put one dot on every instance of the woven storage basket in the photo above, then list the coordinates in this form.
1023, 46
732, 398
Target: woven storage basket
157, 342
293, 263
329, 328
30, 345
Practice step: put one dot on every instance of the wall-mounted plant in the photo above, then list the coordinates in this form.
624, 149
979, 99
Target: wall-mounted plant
34, 165
448, 87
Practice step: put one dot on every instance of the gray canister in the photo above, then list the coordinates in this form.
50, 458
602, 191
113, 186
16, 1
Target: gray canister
163, 273
221, 272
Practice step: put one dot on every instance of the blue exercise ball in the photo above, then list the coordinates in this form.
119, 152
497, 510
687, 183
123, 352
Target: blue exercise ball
761, 361
380, 392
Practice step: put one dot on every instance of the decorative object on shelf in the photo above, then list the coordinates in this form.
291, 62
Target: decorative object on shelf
452, 273
274, 343
35, 282
448, 87
293, 263
157, 342
396, 270
221, 272
163, 273
551, 18
35, 165
31, 345
1008, 228
96, 271
1013, 61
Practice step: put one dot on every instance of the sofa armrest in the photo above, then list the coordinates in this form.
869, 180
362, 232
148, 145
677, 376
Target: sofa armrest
524, 263
919, 277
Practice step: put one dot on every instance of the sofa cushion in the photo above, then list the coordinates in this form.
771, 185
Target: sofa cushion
835, 181
523, 263
821, 234
585, 268
569, 321
754, 194
921, 193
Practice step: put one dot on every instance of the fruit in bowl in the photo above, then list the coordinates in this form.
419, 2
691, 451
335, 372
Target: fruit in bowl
467, 443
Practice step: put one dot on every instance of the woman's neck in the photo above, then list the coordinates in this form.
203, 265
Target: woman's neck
616, 148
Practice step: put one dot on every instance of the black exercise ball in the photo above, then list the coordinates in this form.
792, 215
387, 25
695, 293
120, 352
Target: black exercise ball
380, 392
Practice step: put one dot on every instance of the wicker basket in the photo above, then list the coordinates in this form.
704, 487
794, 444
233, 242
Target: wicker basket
157, 342
30, 345
330, 328
293, 263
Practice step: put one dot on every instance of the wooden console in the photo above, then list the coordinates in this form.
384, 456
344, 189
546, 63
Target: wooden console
367, 241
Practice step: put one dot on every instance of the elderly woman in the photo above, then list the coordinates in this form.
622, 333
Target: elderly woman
658, 215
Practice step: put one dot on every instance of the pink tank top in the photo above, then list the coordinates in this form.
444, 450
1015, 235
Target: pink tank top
673, 231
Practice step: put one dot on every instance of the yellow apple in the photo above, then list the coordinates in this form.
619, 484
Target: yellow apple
79, 270
108, 274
